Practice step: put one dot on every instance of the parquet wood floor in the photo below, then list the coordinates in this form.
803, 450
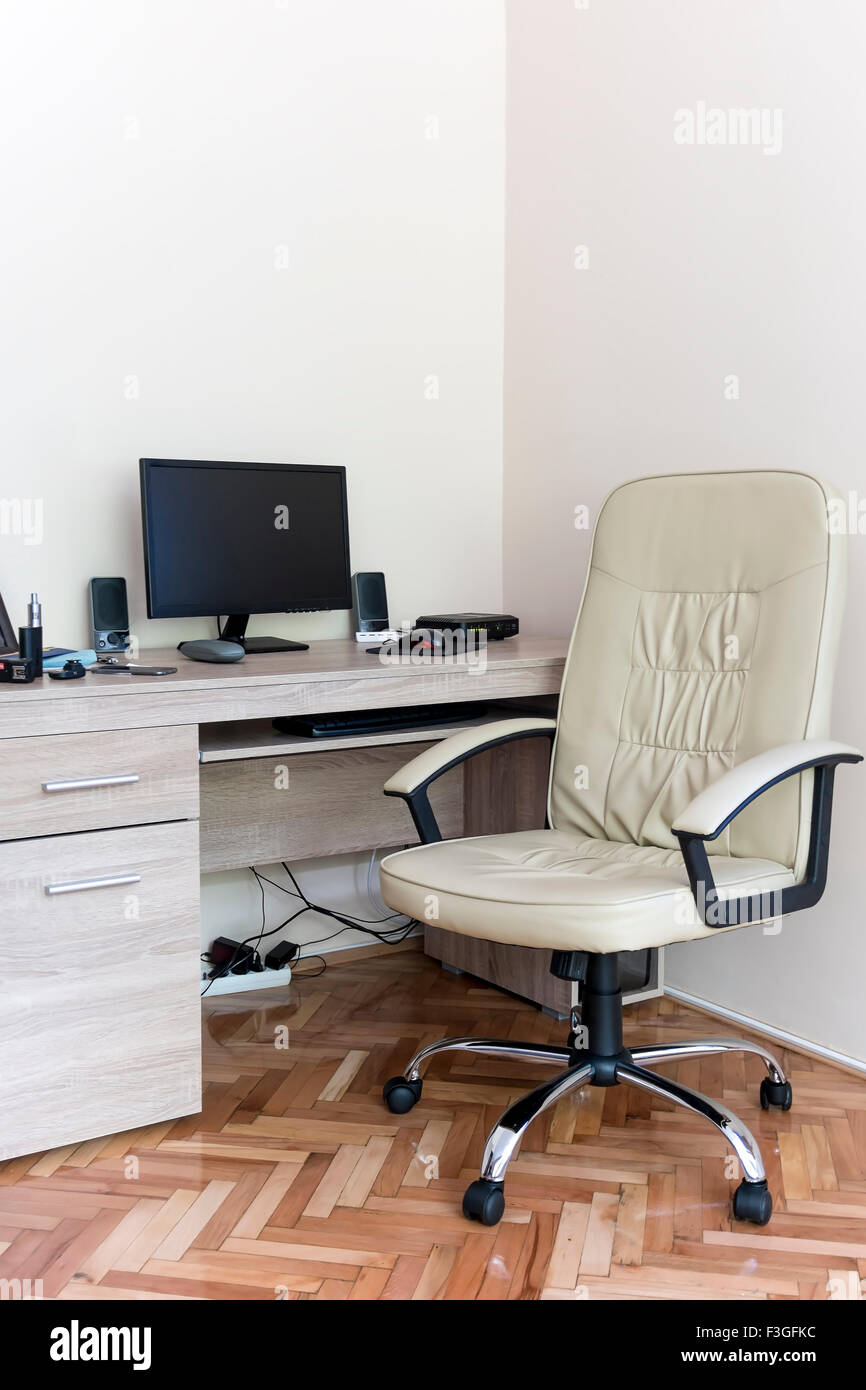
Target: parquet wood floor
295, 1182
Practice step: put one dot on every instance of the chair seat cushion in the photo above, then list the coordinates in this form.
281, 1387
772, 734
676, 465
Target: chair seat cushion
561, 891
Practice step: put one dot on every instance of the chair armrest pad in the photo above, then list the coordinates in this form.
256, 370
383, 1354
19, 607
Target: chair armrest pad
712, 809
452, 750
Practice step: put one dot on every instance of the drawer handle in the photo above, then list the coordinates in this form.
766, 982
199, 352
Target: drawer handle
120, 779
83, 885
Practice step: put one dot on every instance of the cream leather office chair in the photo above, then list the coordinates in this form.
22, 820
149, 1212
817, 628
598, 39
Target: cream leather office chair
690, 788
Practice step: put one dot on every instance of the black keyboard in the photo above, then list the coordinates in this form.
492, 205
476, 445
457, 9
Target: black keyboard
378, 721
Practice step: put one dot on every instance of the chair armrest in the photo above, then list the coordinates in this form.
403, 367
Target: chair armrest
715, 807
413, 779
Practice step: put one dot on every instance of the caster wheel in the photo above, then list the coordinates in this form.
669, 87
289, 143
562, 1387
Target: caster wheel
752, 1202
484, 1201
776, 1093
400, 1095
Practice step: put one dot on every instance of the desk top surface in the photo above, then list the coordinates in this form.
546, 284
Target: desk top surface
332, 674
334, 659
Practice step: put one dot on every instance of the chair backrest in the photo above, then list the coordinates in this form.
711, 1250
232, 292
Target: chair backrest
707, 633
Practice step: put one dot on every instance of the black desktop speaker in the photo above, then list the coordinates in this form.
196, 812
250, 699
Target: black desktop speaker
109, 615
369, 601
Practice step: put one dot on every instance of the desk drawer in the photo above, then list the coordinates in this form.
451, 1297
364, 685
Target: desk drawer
99, 986
89, 781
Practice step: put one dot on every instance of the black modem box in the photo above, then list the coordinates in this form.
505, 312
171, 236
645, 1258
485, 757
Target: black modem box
495, 625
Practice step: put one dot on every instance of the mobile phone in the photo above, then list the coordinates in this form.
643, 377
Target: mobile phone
105, 667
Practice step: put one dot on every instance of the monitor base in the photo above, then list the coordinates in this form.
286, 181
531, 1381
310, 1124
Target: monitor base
234, 630
254, 645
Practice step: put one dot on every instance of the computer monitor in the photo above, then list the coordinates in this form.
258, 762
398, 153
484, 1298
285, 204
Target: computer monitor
226, 540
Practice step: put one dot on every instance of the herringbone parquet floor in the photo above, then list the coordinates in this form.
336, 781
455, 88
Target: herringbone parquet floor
296, 1183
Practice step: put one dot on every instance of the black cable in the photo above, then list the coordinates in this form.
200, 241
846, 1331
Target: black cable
236, 954
226, 969
355, 923
264, 921
311, 974
392, 941
391, 937
299, 893
394, 937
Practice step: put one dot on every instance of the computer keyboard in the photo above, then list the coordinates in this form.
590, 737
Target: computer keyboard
375, 721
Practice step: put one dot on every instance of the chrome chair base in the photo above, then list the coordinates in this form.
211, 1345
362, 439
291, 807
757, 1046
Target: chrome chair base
484, 1199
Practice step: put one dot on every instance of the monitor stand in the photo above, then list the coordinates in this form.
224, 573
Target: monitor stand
234, 630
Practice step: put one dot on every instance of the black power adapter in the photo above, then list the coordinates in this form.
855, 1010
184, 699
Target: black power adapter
230, 957
233, 957
280, 956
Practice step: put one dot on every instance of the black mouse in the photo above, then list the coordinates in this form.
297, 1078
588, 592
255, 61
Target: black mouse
72, 671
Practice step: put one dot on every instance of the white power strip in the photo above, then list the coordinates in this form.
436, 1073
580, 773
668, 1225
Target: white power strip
255, 979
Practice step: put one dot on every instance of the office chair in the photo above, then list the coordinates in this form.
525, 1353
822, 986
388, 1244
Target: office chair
690, 786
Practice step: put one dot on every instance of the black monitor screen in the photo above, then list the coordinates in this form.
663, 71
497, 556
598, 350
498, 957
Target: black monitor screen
223, 538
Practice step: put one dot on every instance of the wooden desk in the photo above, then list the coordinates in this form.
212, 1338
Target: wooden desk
118, 788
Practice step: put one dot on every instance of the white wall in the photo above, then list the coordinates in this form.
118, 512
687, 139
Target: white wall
161, 159
704, 262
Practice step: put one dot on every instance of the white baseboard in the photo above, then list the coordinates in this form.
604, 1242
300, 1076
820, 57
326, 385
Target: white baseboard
827, 1054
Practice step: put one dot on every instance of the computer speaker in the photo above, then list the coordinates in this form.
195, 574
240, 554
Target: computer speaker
109, 615
369, 601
